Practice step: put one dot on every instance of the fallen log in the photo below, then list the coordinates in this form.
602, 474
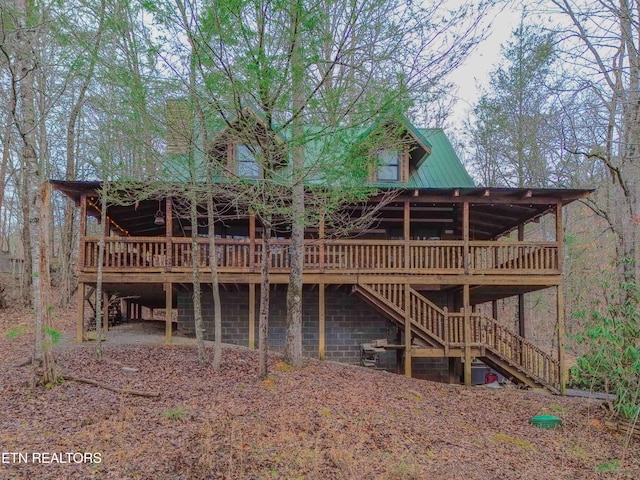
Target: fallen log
126, 391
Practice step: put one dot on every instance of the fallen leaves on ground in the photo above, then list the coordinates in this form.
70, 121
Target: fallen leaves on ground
324, 421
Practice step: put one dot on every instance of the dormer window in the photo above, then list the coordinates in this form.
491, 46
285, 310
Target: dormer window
389, 165
248, 166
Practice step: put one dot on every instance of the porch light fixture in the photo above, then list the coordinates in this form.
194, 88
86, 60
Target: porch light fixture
159, 217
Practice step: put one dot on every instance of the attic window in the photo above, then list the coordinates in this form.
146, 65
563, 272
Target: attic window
388, 165
248, 166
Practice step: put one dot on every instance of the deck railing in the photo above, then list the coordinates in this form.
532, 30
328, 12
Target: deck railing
345, 256
448, 329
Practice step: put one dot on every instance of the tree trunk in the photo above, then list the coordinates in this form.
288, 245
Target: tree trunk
263, 321
293, 345
101, 248
197, 290
215, 286
26, 123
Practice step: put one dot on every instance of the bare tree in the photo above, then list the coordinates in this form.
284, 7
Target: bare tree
603, 42
23, 65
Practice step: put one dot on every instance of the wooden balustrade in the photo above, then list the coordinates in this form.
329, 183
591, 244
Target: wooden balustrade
503, 257
429, 316
436, 256
455, 329
484, 332
127, 253
392, 292
488, 332
347, 256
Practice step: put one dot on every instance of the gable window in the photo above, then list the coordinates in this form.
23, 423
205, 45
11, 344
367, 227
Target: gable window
248, 166
388, 165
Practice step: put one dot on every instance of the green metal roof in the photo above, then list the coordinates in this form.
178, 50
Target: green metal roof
439, 168
443, 168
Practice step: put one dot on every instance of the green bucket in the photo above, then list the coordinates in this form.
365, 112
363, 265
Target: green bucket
546, 421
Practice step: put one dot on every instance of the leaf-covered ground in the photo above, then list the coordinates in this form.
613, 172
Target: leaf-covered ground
325, 421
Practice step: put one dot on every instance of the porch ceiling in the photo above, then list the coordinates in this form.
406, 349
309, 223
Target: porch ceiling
493, 211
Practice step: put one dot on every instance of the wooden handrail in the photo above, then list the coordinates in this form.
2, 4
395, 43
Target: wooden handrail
516, 349
336, 256
485, 332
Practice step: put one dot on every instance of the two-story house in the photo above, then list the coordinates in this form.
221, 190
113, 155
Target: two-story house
402, 296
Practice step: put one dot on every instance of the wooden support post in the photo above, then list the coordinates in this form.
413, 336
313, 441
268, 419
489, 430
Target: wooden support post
80, 319
560, 236
467, 335
407, 235
321, 234
445, 333
83, 233
407, 332
561, 339
252, 248
521, 315
454, 370
252, 316
169, 234
321, 319
168, 312
465, 236
560, 300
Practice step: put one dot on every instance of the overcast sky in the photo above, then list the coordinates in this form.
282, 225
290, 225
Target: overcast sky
474, 73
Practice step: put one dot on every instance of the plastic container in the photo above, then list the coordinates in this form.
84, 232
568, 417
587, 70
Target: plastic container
490, 377
546, 421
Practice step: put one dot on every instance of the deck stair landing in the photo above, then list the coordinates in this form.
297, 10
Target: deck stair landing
494, 344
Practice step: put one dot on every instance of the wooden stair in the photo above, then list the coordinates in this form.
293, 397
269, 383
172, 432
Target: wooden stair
510, 354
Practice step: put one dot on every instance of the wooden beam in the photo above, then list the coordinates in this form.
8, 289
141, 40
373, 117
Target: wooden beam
252, 242
169, 234
80, 318
407, 235
560, 299
521, 313
465, 237
407, 332
168, 316
321, 234
321, 321
417, 220
560, 236
467, 335
252, 316
345, 277
561, 340
82, 231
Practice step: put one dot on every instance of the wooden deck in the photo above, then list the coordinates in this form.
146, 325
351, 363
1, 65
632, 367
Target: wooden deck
379, 257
